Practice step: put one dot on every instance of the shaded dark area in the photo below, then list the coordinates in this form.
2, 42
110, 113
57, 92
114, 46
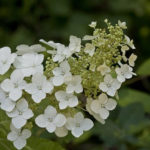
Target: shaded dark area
27, 21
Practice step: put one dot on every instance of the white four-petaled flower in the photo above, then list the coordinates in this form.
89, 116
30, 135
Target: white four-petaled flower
50, 119
110, 85
61, 73
66, 100
78, 124
20, 114
29, 64
124, 72
95, 115
18, 137
6, 59
103, 105
39, 87
14, 85
74, 84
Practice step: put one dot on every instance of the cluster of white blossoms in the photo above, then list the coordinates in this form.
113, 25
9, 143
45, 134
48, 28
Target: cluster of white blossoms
73, 80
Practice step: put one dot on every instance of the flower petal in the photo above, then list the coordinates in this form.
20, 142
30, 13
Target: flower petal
12, 136
104, 113
50, 127
26, 133
19, 143
15, 94
60, 120
111, 104
7, 85
8, 105
41, 121
87, 124
77, 132
28, 114
18, 122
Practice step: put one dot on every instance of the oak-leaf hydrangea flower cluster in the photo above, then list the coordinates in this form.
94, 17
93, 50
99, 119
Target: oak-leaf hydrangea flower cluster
80, 79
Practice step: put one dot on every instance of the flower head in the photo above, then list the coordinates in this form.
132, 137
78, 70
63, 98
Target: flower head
78, 124
18, 137
39, 87
74, 84
50, 119
20, 114
110, 85
103, 105
14, 85
66, 99
124, 72
95, 115
61, 73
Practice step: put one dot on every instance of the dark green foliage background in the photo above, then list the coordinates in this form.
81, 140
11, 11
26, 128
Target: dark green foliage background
27, 21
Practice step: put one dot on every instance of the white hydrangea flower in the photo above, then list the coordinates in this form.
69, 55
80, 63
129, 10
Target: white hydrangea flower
66, 100
39, 87
62, 53
5, 102
14, 85
110, 85
104, 69
61, 132
90, 49
124, 72
129, 42
122, 24
6, 59
74, 84
132, 60
20, 114
61, 73
78, 124
50, 119
95, 115
75, 44
29, 64
23, 49
103, 105
18, 137
93, 24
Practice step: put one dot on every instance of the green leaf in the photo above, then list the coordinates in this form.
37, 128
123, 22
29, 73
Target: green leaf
128, 96
144, 68
36, 143
4, 129
132, 118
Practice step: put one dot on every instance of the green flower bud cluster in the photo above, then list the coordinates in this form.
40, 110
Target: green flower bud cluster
107, 44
